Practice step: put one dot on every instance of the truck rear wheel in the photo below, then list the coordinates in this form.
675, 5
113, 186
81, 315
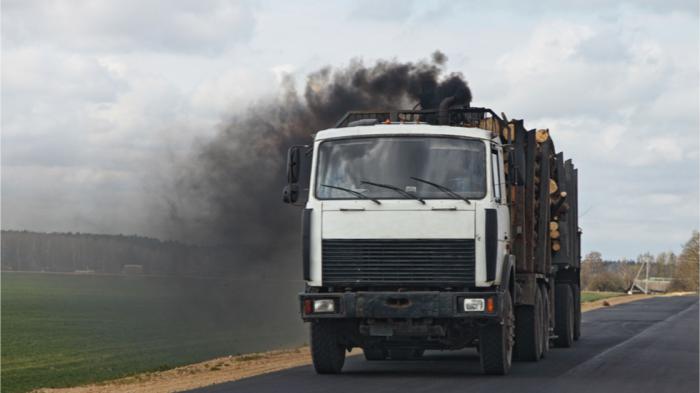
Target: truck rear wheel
496, 341
564, 316
327, 353
528, 330
375, 353
545, 319
577, 311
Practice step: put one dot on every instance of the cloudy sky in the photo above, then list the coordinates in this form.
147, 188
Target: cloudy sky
99, 98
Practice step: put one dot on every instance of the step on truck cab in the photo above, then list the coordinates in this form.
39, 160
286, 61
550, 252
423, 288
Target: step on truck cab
436, 229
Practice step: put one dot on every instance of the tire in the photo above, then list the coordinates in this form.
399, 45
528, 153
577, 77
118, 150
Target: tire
327, 353
372, 354
577, 311
564, 316
545, 319
528, 330
496, 341
400, 354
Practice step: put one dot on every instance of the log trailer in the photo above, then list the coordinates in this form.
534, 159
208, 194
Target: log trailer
436, 229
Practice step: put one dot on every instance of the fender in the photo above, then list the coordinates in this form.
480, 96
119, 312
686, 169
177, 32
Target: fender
506, 270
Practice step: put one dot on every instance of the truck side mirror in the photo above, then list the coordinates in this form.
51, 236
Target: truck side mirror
293, 164
290, 193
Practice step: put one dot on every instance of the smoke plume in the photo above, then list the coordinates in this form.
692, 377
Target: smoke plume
233, 186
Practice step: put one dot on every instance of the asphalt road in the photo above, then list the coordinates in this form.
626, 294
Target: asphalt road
645, 346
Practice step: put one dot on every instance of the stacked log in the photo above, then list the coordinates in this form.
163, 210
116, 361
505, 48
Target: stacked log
559, 205
543, 216
508, 133
545, 187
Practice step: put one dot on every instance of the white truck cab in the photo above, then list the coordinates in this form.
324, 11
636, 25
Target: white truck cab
436, 229
467, 161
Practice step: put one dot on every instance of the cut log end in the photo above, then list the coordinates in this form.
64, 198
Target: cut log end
556, 246
553, 225
541, 136
509, 132
553, 187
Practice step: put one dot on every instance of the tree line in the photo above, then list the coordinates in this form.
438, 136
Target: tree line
598, 274
82, 252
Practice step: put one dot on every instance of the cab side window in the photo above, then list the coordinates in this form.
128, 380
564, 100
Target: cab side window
496, 175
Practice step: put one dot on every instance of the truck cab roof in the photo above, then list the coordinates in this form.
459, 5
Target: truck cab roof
403, 129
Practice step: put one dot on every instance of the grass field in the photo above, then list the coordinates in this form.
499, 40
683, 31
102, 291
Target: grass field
63, 330
593, 296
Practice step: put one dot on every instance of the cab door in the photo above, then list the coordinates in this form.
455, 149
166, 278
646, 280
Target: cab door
500, 220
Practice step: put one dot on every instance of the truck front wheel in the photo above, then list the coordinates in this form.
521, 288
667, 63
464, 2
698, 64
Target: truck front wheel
327, 353
496, 341
528, 330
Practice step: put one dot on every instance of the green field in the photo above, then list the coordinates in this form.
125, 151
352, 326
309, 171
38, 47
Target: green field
63, 330
587, 296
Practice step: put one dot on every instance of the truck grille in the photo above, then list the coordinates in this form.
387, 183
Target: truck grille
398, 261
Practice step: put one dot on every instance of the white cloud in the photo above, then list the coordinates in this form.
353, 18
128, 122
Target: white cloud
233, 90
551, 46
207, 27
99, 96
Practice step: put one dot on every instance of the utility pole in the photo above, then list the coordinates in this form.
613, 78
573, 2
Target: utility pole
646, 282
636, 283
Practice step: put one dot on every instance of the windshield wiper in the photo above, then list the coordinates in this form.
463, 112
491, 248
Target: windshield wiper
353, 192
394, 188
443, 189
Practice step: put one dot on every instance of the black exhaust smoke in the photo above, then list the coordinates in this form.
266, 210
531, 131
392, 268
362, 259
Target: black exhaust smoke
229, 194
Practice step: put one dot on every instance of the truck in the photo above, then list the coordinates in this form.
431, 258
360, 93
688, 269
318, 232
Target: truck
436, 229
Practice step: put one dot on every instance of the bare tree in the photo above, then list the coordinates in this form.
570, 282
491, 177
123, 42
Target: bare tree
686, 277
591, 266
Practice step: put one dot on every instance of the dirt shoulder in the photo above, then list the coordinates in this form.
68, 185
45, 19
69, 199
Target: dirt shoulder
232, 368
210, 372
614, 301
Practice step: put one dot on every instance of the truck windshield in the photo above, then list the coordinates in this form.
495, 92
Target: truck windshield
456, 163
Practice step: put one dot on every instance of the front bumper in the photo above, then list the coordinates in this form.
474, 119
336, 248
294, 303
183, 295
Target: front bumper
410, 305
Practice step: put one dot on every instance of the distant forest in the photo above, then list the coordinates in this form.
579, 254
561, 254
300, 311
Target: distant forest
598, 274
80, 252
118, 254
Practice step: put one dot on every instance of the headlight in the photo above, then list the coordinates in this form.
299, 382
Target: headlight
473, 304
324, 305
